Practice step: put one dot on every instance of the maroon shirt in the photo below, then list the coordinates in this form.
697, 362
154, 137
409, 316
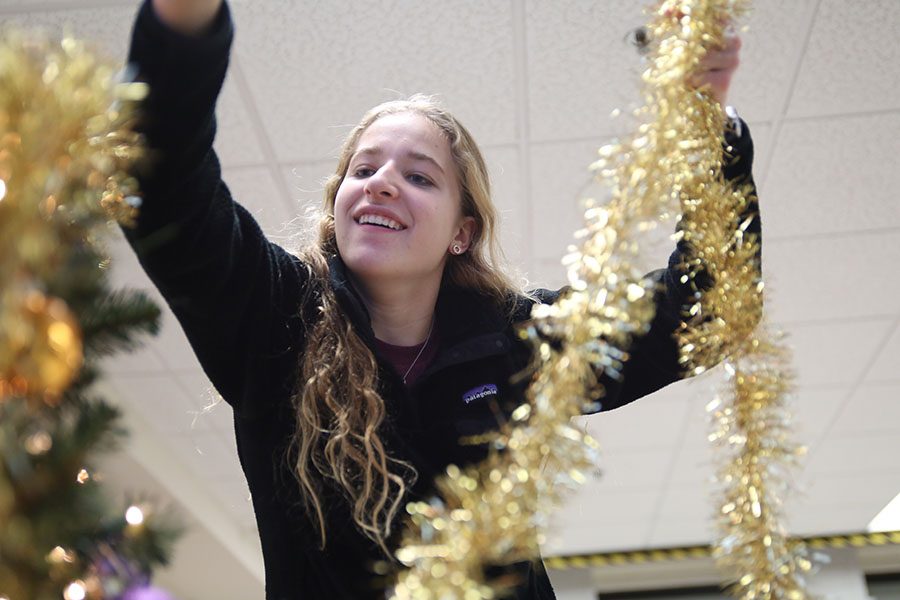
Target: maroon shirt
402, 357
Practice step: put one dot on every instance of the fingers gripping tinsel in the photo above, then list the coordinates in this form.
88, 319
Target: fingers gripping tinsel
65, 141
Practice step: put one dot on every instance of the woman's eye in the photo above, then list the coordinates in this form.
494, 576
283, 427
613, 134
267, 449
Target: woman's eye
363, 172
420, 179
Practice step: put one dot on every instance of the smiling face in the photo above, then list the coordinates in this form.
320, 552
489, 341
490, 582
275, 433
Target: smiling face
398, 209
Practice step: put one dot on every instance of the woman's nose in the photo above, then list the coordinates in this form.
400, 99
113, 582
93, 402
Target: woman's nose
382, 183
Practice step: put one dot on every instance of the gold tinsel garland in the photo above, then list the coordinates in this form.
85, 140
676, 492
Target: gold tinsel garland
751, 430
496, 512
65, 142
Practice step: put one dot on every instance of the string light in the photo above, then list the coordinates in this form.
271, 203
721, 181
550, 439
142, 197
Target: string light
75, 591
134, 516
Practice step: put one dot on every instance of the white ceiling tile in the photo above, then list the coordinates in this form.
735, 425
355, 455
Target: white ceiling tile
887, 366
172, 344
257, 190
831, 175
580, 67
634, 468
819, 492
834, 520
596, 505
237, 137
833, 277
207, 455
674, 532
866, 453
769, 53
654, 421
814, 409
511, 202
849, 60
548, 273
160, 401
592, 537
305, 185
872, 408
600, 520
559, 182
212, 410
107, 28
313, 68
686, 502
857, 340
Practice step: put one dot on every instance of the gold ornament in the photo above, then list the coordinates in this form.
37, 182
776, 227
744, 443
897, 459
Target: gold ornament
65, 145
40, 347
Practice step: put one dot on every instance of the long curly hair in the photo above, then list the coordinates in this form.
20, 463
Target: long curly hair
339, 410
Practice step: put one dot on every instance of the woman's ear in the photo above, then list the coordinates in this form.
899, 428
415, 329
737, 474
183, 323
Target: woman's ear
465, 233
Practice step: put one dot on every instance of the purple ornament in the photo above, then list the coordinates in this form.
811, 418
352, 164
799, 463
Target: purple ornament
146, 592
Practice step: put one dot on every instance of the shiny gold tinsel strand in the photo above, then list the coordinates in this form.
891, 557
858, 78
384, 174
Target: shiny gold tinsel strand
752, 423
65, 142
751, 430
496, 512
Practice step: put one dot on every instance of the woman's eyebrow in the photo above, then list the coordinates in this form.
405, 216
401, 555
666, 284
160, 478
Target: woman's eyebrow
413, 154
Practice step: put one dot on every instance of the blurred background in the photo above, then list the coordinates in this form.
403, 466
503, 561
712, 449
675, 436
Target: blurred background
536, 82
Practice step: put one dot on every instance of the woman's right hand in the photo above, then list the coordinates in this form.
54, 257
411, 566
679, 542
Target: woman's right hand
190, 17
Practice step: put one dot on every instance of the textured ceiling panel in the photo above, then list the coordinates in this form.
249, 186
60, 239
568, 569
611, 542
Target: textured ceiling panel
559, 179
675, 532
655, 421
834, 175
850, 64
872, 408
237, 137
260, 193
833, 277
633, 469
814, 410
580, 67
161, 401
847, 360
107, 28
314, 67
872, 453
512, 203
887, 366
769, 55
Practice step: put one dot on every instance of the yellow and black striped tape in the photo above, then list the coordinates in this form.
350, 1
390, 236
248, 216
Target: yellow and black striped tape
580, 561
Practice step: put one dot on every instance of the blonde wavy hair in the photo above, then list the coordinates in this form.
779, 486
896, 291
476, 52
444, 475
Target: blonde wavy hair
339, 410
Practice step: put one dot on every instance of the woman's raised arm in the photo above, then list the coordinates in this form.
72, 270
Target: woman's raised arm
235, 294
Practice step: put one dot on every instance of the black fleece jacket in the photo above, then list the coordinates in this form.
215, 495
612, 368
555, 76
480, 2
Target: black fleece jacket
238, 297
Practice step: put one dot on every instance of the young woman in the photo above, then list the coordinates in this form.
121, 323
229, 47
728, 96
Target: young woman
354, 368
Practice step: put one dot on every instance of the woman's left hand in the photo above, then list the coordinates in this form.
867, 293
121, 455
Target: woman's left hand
718, 66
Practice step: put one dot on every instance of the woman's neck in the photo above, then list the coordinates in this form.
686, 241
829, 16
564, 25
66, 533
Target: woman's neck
401, 313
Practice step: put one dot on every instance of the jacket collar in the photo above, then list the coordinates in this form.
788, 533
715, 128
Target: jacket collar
461, 314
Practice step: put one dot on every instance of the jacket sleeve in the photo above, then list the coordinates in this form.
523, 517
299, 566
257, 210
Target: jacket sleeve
653, 357
235, 294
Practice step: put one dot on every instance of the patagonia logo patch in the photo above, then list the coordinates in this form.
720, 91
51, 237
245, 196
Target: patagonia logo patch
482, 391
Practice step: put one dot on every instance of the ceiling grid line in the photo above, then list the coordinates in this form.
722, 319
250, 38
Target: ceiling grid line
779, 118
523, 128
858, 382
832, 235
673, 461
265, 143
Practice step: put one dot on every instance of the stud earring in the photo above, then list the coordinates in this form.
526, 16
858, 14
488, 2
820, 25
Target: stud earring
456, 249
